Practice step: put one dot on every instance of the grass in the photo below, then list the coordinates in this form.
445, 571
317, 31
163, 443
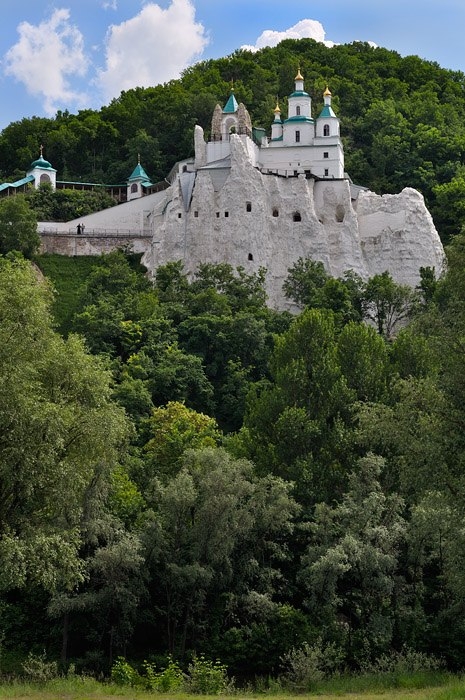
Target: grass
77, 688
68, 276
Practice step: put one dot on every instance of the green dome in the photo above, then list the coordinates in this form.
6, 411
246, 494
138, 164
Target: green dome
41, 163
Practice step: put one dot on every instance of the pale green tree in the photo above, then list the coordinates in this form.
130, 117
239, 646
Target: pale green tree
61, 433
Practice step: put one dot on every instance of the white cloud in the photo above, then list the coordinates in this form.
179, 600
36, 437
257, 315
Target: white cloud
305, 29
45, 56
110, 5
151, 48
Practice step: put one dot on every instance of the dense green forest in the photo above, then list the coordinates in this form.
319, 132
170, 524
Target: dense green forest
185, 471
402, 121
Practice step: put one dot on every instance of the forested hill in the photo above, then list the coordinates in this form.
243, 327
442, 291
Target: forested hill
402, 120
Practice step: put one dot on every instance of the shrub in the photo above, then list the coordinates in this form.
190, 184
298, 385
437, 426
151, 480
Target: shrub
207, 677
308, 664
169, 680
405, 661
122, 673
36, 668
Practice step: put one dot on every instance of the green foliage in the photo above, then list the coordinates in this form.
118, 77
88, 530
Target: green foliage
36, 668
171, 679
207, 677
18, 227
123, 674
66, 204
307, 665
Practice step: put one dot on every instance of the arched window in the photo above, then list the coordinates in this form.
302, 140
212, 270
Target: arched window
250, 256
297, 216
44, 178
248, 206
297, 110
326, 130
134, 188
275, 212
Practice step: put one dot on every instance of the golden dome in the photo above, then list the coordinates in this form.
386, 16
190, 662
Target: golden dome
298, 76
327, 92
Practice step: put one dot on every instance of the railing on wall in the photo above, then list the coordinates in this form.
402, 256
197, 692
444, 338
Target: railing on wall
96, 232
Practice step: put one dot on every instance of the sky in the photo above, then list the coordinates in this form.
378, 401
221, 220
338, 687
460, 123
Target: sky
78, 54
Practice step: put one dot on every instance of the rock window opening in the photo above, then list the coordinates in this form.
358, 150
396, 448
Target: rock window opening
250, 256
226, 214
217, 214
275, 212
196, 214
340, 213
248, 206
179, 216
297, 216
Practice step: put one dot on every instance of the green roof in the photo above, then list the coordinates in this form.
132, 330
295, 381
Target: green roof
299, 93
41, 163
18, 183
300, 118
231, 105
139, 174
327, 111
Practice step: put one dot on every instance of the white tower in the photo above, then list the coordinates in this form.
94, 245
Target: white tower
42, 172
299, 128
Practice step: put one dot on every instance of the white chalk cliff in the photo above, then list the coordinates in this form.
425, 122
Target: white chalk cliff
233, 212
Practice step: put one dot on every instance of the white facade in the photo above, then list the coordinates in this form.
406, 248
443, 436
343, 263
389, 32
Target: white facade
298, 144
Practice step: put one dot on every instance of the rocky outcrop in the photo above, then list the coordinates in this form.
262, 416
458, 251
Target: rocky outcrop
242, 216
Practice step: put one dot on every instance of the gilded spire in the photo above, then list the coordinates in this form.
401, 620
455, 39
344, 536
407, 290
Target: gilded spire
277, 109
327, 92
298, 76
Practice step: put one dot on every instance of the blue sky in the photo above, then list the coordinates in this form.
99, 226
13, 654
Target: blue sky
76, 54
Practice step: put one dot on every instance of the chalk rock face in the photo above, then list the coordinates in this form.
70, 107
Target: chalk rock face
397, 234
240, 215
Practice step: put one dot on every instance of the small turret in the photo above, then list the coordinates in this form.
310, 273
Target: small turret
277, 125
137, 181
327, 123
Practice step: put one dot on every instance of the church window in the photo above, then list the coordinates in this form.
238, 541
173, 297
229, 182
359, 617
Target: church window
326, 154
297, 136
297, 110
44, 178
326, 130
134, 188
250, 256
248, 206
275, 212
297, 216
